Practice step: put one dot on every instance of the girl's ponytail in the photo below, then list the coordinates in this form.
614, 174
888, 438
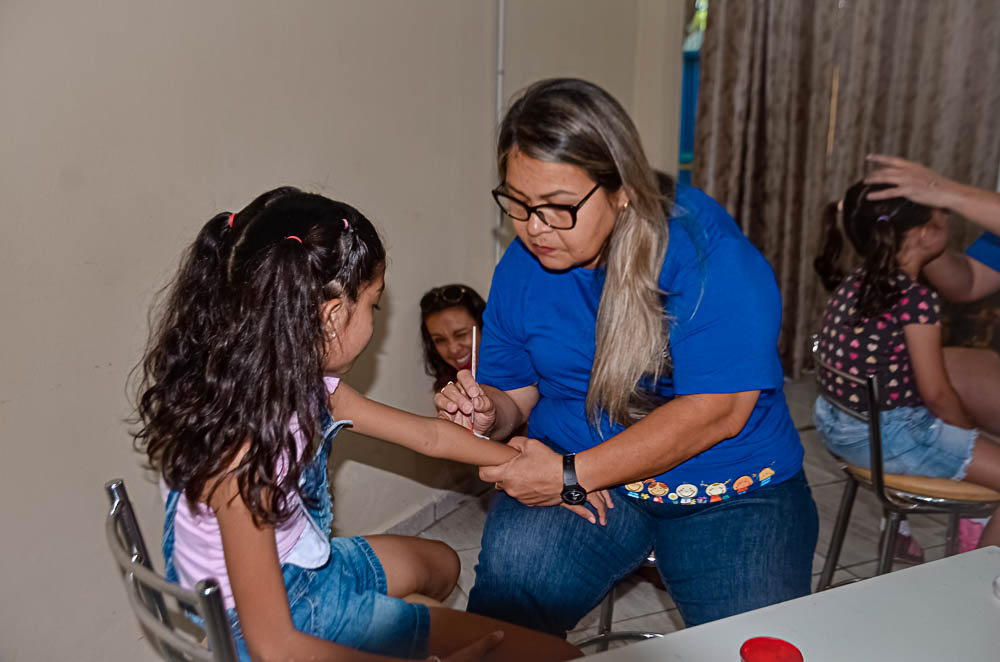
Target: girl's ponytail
276, 335
194, 311
198, 297
827, 264
878, 289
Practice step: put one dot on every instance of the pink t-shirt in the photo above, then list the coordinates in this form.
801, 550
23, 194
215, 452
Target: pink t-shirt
198, 542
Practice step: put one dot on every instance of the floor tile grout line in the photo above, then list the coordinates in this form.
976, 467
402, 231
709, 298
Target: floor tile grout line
624, 620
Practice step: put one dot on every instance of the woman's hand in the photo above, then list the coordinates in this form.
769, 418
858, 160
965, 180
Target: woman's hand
535, 479
465, 403
909, 180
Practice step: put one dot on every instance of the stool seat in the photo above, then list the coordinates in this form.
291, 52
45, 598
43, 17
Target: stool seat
937, 488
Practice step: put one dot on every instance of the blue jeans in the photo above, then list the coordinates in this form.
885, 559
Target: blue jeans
546, 568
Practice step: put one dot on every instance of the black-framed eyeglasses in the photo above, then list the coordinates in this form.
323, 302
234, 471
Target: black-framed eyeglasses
450, 294
559, 217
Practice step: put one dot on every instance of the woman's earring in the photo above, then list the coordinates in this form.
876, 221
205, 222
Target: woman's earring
331, 335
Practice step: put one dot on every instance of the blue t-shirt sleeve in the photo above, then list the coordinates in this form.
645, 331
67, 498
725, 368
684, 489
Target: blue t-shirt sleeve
726, 320
504, 361
986, 249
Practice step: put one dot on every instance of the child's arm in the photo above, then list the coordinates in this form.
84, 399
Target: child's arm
439, 438
430, 436
923, 341
259, 590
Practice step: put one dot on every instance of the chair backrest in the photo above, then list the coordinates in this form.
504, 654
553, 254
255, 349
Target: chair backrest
870, 414
147, 589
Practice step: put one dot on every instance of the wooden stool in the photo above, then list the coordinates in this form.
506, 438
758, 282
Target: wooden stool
901, 495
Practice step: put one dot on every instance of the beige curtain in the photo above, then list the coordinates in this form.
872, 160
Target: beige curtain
795, 93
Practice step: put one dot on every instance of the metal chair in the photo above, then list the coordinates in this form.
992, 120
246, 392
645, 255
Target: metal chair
604, 634
146, 590
899, 495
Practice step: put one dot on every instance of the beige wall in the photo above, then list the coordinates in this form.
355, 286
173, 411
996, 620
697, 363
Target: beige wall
124, 125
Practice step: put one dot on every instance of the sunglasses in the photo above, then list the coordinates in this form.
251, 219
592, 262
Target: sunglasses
451, 294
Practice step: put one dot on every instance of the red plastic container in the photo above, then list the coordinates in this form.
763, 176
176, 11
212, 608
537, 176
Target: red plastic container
769, 649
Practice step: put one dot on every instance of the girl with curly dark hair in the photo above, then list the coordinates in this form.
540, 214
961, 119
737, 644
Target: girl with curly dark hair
240, 400
880, 319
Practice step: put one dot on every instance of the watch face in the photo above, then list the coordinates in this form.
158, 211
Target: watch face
574, 495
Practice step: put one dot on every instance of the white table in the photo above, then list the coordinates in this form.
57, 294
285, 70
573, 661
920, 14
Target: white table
939, 611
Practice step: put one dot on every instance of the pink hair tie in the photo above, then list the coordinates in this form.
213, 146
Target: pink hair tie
231, 217
346, 225
292, 236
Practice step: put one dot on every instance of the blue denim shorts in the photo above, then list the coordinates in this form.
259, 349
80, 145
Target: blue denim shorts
345, 601
914, 441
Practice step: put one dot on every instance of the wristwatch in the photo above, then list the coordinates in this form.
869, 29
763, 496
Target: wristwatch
572, 493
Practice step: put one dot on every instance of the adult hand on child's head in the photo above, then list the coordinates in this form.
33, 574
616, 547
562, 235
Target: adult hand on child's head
910, 180
475, 651
458, 400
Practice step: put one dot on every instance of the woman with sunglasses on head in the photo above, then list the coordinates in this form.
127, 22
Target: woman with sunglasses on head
448, 315
634, 328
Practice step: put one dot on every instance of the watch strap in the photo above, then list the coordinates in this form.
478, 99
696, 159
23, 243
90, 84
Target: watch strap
569, 470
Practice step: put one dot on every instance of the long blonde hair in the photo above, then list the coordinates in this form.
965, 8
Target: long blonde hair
566, 120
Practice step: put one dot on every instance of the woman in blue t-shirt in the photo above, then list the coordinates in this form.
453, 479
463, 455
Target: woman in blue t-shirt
634, 328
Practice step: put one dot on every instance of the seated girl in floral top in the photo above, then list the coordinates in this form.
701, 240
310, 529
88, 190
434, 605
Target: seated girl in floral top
880, 319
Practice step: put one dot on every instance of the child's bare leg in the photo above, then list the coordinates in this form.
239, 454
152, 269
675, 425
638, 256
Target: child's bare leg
975, 374
416, 565
451, 630
984, 469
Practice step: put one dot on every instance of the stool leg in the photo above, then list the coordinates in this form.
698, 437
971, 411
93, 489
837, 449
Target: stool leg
888, 546
607, 615
951, 537
839, 531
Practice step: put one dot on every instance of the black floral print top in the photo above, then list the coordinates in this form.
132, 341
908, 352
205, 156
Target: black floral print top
859, 346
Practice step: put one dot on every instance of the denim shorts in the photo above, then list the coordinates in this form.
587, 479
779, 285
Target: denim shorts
345, 601
914, 441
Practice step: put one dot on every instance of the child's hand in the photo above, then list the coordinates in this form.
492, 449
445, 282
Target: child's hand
458, 401
475, 651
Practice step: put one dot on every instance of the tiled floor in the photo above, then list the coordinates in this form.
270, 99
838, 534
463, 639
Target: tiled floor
641, 606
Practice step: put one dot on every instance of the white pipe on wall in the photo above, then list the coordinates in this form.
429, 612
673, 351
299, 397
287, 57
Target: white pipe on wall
498, 223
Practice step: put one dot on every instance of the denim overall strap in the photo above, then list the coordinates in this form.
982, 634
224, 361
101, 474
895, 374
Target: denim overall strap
314, 483
170, 572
